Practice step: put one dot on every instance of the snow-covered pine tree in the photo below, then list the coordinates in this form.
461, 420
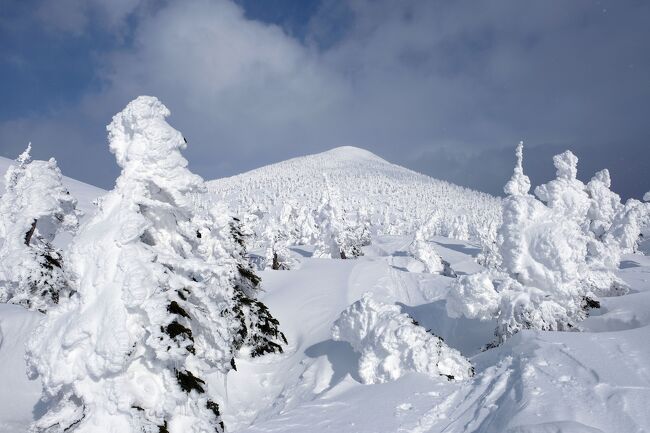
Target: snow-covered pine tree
487, 238
330, 225
277, 256
363, 225
258, 330
626, 228
543, 251
425, 253
338, 237
592, 208
604, 203
34, 208
307, 228
288, 221
157, 301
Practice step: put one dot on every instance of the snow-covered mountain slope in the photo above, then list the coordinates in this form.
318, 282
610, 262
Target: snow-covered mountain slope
397, 200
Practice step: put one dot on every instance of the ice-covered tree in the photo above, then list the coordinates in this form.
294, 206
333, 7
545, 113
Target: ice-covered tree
604, 203
627, 224
257, 331
425, 253
565, 194
593, 208
330, 226
277, 255
363, 226
307, 227
337, 237
163, 296
489, 255
543, 249
474, 296
34, 208
288, 221
455, 227
390, 344
543, 252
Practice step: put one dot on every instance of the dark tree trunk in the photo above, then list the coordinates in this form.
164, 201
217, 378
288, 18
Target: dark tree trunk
276, 262
30, 233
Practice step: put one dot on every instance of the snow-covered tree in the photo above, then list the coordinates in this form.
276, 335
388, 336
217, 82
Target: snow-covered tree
391, 344
337, 237
307, 228
565, 194
546, 281
258, 331
474, 296
363, 226
288, 220
34, 208
592, 208
163, 296
489, 255
543, 250
425, 253
277, 255
329, 218
626, 226
604, 203
455, 227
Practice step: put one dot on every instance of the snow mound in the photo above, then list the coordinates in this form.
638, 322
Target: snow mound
391, 344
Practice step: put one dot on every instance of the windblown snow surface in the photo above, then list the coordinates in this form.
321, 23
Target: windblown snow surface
597, 380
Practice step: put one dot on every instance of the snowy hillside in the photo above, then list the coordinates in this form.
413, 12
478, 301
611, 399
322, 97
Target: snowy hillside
332, 292
395, 199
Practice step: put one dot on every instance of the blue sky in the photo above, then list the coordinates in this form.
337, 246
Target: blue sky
446, 88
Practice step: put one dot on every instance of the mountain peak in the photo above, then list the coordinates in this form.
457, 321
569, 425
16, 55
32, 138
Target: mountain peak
352, 153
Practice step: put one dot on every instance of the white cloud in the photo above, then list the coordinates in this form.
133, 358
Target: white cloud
229, 81
406, 79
